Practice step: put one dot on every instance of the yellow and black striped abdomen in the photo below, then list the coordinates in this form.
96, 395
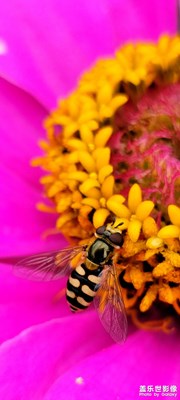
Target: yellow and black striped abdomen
82, 287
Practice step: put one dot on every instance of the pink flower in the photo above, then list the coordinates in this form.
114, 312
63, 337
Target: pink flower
46, 352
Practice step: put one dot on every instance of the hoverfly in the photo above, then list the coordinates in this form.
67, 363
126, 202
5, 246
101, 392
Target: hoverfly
93, 279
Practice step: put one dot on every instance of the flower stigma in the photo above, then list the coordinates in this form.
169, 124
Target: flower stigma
113, 150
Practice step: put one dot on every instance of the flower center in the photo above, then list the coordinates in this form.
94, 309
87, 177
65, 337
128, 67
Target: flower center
120, 128
148, 146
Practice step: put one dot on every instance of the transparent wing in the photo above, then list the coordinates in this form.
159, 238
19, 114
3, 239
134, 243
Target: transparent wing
110, 306
48, 266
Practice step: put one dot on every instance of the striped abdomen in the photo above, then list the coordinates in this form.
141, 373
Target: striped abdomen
82, 287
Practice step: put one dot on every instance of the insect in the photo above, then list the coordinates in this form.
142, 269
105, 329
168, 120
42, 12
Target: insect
93, 279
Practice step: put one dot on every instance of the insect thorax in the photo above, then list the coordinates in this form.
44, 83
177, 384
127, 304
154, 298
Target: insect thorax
99, 252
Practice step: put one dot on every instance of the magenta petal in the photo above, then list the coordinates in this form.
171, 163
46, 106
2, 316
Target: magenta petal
24, 303
45, 48
71, 358
32, 361
118, 371
21, 225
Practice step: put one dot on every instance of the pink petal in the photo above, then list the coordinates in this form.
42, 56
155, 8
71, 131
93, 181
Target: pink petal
118, 371
71, 358
24, 303
45, 48
21, 225
32, 361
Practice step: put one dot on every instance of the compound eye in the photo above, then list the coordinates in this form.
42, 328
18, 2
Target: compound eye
116, 238
100, 230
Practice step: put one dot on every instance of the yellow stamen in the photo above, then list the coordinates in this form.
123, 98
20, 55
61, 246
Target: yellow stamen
166, 294
149, 298
93, 175
56, 188
144, 209
174, 214
134, 229
88, 184
172, 257
169, 231
154, 242
75, 144
134, 197
43, 207
105, 172
94, 203
137, 277
103, 136
91, 147
78, 176
87, 161
149, 227
63, 219
173, 276
87, 137
102, 202
108, 187
120, 210
162, 269
99, 217
102, 157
